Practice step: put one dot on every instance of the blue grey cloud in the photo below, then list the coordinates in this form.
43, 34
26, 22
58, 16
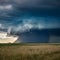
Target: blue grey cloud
41, 12
32, 3
24, 15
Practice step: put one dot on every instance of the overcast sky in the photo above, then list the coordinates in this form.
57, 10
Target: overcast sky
27, 14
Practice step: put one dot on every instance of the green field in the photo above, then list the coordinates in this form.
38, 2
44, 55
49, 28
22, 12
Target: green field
30, 51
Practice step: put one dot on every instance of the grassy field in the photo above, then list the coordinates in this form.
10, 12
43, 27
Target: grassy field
30, 51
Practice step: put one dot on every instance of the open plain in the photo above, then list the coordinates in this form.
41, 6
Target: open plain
30, 51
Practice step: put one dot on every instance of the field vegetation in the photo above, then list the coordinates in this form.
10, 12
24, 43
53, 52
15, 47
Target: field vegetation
30, 51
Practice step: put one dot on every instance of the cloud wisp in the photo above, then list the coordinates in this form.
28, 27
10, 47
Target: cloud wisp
7, 7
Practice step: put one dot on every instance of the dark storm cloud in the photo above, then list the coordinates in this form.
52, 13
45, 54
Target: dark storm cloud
38, 3
32, 3
19, 6
23, 15
12, 12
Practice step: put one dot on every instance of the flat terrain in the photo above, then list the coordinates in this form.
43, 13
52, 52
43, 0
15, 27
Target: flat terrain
30, 51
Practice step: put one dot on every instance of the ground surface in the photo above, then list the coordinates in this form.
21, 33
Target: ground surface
30, 51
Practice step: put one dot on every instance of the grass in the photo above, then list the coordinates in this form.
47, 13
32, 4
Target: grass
30, 51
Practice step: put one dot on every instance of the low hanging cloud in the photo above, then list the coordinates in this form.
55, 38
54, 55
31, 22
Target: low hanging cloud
31, 23
27, 27
24, 24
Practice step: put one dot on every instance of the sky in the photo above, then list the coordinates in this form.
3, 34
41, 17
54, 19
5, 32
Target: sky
22, 15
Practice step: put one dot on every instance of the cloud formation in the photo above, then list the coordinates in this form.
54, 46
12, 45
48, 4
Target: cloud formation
27, 14
7, 7
24, 25
32, 3
24, 15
